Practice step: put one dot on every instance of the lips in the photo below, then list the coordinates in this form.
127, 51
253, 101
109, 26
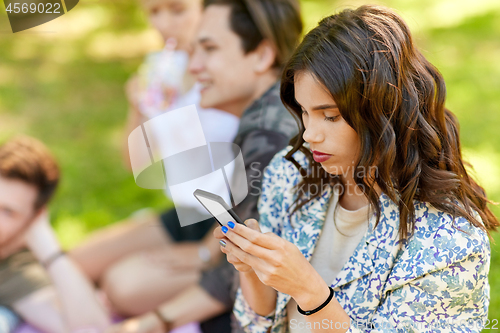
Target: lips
320, 157
204, 85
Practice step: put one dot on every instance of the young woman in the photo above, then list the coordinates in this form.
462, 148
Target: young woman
370, 220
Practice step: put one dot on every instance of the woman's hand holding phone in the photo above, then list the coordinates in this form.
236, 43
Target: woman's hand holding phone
277, 262
231, 257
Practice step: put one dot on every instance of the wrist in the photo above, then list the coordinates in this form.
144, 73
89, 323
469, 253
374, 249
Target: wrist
43, 248
311, 299
165, 322
41, 240
50, 260
318, 308
250, 277
136, 110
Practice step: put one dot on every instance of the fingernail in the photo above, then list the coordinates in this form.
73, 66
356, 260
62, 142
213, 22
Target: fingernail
230, 224
224, 229
222, 243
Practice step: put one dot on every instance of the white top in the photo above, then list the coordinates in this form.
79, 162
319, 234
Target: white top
217, 125
337, 242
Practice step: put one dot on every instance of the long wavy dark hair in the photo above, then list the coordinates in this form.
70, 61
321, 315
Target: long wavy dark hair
394, 99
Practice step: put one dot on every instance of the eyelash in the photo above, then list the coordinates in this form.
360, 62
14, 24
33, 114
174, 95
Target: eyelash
326, 118
331, 118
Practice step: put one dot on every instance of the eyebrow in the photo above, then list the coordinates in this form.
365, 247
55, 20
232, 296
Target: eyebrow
325, 107
204, 40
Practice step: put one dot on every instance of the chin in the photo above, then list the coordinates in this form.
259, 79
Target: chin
205, 103
211, 103
332, 170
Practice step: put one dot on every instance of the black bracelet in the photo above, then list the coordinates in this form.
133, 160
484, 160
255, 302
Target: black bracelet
52, 258
307, 313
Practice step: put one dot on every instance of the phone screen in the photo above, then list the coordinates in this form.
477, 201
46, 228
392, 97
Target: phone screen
216, 209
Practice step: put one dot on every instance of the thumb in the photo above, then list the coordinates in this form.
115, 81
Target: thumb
253, 224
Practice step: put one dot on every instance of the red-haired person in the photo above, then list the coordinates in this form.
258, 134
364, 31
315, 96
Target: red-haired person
37, 280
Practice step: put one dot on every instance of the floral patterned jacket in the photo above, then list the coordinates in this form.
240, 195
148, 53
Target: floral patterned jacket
437, 282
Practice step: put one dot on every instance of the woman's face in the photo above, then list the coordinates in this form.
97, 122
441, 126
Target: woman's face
333, 142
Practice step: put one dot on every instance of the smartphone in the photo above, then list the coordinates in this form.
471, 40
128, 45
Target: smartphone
217, 207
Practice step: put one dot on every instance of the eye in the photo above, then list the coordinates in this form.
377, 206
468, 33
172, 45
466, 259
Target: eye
177, 9
331, 118
154, 10
209, 48
7, 212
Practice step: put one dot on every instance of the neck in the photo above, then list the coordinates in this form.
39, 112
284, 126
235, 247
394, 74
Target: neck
263, 83
354, 198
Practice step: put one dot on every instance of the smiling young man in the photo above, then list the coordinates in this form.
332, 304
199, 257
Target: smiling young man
239, 68
242, 46
41, 284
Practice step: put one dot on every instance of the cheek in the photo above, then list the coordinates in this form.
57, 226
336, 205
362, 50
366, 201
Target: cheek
182, 22
157, 21
190, 20
344, 142
223, 74
351, 146
8, 229
214, 64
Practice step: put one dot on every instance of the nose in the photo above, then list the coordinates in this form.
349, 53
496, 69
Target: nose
312, 132
163, 22
196, 62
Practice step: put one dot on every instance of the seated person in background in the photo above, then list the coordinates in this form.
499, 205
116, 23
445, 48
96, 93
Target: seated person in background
240, 67
174, 257
39, 283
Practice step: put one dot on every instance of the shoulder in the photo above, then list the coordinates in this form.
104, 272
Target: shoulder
277, 118
441, 244
280, 167
456, 236
262, 142
269, 113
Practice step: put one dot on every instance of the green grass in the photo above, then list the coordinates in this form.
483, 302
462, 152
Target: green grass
65, 87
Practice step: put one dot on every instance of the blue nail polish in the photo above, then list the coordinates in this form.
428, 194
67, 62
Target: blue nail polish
224, 229
230, 224
222, 243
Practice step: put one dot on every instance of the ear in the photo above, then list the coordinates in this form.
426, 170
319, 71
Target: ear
266, 56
